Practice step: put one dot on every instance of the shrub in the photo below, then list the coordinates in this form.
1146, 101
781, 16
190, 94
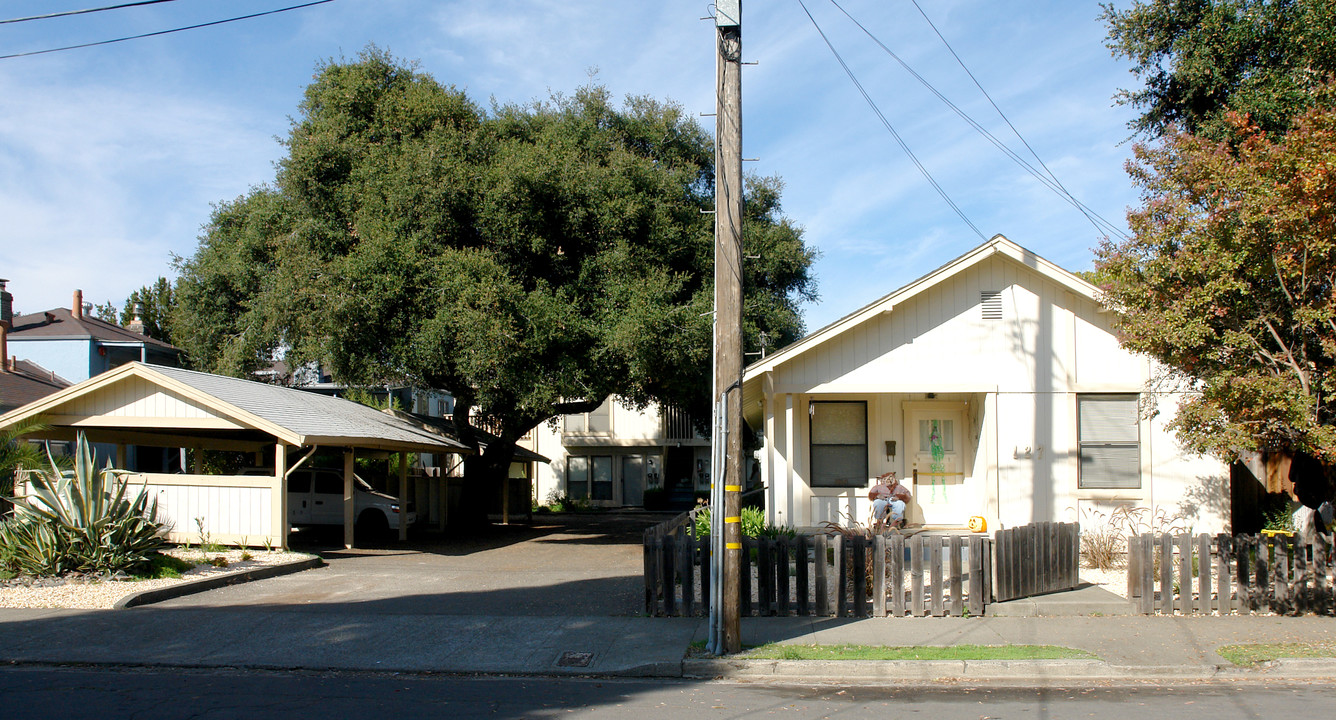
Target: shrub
753, 524
80, 520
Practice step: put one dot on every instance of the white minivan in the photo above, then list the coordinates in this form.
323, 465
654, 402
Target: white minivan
315, 497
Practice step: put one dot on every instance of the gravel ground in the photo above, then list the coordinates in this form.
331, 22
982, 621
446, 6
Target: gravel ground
85, 593
1115, 581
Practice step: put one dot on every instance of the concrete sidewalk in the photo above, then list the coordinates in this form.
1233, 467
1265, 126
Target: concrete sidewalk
1129, 648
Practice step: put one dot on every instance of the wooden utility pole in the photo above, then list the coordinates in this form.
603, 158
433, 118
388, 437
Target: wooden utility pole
728, 304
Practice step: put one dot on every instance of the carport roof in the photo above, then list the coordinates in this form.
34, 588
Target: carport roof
138, 403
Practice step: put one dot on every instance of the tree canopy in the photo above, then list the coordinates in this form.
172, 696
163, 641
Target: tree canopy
1199, 59
531, 259
1230, 282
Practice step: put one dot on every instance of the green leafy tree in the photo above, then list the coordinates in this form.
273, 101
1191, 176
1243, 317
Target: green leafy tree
1199, 59
532, 259
1229, 281
156, 303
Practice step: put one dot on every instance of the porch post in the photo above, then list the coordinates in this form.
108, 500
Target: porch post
122, 456
403, 496
348, 486
278, 498
786, 490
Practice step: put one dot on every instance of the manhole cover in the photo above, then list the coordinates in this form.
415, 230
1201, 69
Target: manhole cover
575, 659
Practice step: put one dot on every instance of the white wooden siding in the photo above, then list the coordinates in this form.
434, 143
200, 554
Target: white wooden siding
232, 509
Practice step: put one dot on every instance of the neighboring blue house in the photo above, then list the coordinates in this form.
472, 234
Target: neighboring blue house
76, 346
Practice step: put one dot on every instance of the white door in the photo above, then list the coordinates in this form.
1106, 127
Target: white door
936, 444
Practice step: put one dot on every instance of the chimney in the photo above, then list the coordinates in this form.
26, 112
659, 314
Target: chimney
137, 324
76, 306
6, 322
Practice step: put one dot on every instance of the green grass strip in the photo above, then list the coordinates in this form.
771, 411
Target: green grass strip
776, 651
1253, 653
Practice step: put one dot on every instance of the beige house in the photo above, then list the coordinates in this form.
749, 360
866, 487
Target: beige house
614, 454
995, 387
157, 406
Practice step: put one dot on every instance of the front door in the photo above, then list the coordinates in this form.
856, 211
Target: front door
633, 480
936, 441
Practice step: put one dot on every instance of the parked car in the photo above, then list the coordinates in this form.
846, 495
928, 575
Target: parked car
315, 497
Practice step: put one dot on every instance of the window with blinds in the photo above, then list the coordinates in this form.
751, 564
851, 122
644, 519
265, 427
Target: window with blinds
838, 443
1110, 440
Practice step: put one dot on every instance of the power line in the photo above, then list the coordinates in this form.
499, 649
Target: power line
1084, 210
67, 13
887, 123
1051, 184
166, 32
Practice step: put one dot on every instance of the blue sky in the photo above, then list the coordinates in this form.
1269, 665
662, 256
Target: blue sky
110, 157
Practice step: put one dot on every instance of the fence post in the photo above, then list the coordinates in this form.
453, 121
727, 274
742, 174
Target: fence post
1185, 573
1321, 568
1166, 574
841, 577
650, 595
800, 557
1147, 564
977, 560
879, 576
782, 575
1244, 557
703, 562
1133, 568
819, 567
1262, 583
687, 570
1204, 574
1223, 603
765, 577
897, 575
669, 577
1300, 582
956, 570
859, 568
916, 575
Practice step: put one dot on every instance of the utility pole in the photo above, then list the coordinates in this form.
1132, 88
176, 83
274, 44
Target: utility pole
728, 320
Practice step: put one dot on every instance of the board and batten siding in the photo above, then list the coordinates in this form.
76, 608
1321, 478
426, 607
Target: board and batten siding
232, 509
138, 398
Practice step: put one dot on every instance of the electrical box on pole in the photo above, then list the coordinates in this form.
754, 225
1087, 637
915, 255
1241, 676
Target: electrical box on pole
726, 504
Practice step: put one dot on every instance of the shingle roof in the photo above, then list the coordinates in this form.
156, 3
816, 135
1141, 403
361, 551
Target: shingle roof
305, 413
61, 324
25, 382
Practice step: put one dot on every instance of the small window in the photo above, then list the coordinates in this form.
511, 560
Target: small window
1110, 440
838, 443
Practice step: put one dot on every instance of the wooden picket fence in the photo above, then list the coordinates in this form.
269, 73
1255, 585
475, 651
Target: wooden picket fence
823, 575
1036, 559
1243, 574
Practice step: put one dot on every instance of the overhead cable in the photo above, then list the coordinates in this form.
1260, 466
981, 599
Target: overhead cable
165, 32
1079, 206
1049, 181
887, 123
67, 13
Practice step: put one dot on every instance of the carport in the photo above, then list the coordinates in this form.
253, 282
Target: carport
157, 406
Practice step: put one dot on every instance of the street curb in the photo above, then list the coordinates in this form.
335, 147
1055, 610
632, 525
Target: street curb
938, 670
147, 597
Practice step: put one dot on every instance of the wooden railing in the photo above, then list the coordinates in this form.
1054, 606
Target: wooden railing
843, 576
1243, 574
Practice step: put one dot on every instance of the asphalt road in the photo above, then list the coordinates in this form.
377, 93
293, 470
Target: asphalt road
147, 694
562, 565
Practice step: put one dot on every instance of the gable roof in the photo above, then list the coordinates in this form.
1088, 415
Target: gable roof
231, 404
997, 246
60, 324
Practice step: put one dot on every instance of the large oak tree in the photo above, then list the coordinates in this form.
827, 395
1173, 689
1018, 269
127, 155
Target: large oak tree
530, 259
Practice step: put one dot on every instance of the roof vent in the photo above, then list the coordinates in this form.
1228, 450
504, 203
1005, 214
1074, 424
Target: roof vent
991, 303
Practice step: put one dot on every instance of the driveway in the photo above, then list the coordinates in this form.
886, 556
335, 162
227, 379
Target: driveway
564, 564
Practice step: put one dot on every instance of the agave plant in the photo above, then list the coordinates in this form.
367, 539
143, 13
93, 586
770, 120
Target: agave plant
80, 520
